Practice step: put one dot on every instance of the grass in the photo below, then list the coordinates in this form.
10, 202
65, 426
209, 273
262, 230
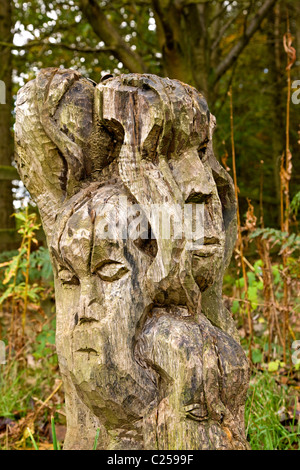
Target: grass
29, 375
268, 403
26, 381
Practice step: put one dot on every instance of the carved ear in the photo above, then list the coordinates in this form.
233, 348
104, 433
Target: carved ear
54, 123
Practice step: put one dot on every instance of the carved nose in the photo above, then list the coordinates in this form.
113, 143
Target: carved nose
198, 197
86, 314
88, 308
194, 181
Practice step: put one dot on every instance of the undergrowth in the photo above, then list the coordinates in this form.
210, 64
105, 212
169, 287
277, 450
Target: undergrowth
272, 412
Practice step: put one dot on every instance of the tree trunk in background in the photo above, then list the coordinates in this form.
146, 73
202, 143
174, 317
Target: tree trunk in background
6, 142
182, 35
277, 78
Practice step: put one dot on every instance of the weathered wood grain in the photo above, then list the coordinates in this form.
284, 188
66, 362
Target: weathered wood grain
147, 351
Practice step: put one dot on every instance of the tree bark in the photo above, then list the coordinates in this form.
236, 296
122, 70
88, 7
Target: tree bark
6, 141
147, 351
183, 38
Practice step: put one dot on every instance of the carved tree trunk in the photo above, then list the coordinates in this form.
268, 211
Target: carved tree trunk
147, 351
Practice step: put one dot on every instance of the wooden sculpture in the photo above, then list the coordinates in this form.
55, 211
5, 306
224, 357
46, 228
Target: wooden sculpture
147, 351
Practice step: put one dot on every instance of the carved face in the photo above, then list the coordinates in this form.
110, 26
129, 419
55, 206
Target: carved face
165, 157
101, 298
193, 176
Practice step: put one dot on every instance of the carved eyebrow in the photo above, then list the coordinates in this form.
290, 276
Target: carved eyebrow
61, 262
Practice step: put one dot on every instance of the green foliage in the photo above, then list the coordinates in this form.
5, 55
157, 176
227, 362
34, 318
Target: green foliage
32, 439
70, 28
44, 340
295, 204
276, 237
5, 258
257, 356
21, 274
56, 445
255, 286
22, 271
40, 265
19, 384
286, 243
96, 439
18, 292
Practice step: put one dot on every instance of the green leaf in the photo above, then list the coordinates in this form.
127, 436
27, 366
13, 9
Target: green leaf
251, 277
257, 356
240, 282
235, 306
96, 439
252, 296
273, 366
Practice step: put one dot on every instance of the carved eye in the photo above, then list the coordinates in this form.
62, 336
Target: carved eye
111, 270
202, 149
68, 278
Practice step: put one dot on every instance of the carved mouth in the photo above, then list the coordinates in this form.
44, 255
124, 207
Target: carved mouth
87, 350
91, 352
83, 338
210, 246
206, 251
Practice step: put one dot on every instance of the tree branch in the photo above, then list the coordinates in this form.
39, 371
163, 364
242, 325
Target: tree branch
61, 45
243, 41
221, 12
104, 29
224, 29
